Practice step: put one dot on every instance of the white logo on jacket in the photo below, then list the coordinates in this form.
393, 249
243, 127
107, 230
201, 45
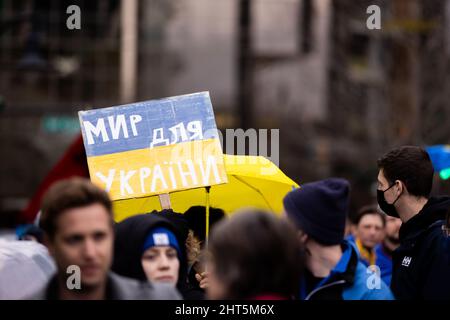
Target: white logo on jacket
406, 261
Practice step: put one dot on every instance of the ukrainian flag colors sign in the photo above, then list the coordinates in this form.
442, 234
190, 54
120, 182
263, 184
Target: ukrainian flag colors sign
153, 147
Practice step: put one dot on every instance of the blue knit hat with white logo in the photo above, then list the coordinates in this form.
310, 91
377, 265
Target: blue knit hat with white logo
161, 237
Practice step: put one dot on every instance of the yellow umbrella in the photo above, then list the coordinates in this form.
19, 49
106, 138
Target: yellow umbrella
253, 181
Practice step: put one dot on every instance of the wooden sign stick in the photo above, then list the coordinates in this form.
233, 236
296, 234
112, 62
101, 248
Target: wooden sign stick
164, 201
207, 188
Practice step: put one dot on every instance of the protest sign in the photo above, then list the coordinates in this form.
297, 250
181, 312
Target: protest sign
153, 147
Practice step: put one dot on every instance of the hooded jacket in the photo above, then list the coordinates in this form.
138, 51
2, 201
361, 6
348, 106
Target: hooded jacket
349, 280
130, 235
421, 265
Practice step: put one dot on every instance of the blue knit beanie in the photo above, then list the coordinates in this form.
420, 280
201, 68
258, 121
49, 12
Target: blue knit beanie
161, 237
320, 209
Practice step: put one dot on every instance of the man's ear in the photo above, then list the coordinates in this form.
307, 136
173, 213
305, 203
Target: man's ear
400, 186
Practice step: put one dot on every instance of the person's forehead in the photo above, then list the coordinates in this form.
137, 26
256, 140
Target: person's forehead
89, 217
159, 249
371, 218
381, 176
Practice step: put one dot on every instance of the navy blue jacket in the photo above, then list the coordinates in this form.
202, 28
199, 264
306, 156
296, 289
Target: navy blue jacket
349, 280
421, 265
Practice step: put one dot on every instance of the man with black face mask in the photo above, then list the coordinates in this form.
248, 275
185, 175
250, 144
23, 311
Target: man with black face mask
421, 264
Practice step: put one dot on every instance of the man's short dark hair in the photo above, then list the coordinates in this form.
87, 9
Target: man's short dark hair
372, 210
412, 166
68, 194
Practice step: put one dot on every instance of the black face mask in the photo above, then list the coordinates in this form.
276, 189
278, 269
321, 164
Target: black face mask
389, 209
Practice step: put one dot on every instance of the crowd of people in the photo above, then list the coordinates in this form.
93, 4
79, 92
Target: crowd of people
397, 248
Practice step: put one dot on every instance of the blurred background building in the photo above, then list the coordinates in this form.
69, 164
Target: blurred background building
340, 94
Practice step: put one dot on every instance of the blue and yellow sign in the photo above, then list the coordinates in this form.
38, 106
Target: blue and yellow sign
153, 147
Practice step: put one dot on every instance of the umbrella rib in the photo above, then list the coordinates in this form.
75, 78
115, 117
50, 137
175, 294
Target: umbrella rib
256, 189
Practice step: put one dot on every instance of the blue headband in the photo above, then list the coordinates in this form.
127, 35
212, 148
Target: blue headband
161, 237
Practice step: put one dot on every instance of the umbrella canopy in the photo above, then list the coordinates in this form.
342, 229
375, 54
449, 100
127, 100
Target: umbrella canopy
440, 157
72, 164
25, 268
253, 181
